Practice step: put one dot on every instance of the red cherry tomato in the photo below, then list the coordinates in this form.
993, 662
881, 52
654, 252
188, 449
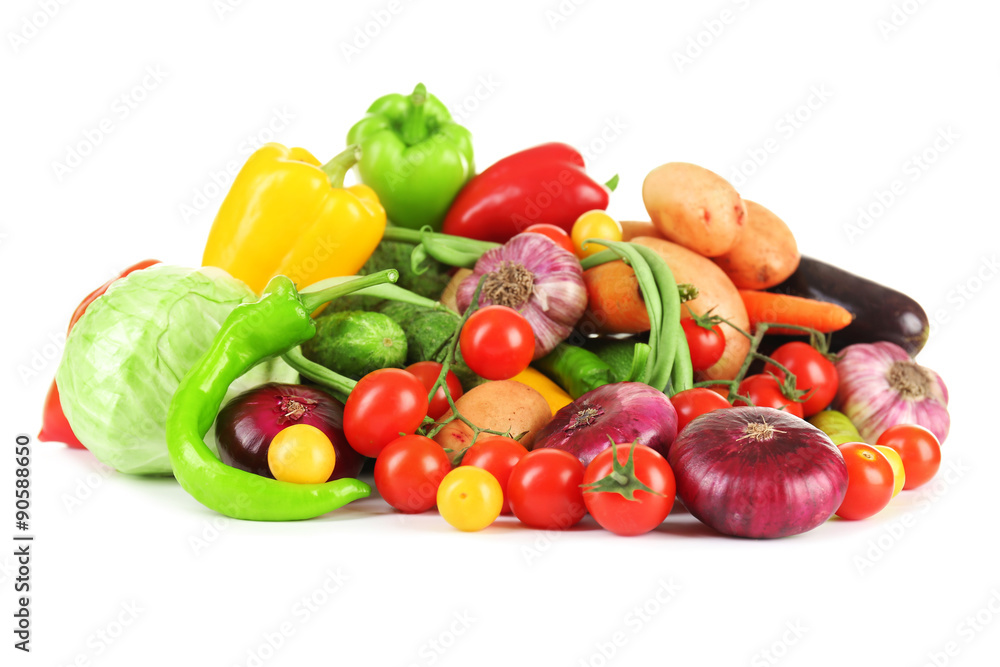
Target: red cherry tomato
409, 471
496, 455
765, 392
869, 481
692, 403
919, 449
557, 234
706, 345
427, 372
646, 511
544, 490
382, 405
813, 373
497, 342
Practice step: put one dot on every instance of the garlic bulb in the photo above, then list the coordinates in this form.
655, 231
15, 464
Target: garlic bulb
536, 277
881, 386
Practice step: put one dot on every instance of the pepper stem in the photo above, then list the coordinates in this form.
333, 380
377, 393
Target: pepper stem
336, 169
313, 300
414, 128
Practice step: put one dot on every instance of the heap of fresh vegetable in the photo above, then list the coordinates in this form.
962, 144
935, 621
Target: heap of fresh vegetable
499, 344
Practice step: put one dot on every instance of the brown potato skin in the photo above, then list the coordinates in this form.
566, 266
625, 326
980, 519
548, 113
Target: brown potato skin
633, 228
694, 207
715, 290
765, 255
499, 406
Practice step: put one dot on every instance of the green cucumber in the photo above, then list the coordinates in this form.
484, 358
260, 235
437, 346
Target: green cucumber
355, 343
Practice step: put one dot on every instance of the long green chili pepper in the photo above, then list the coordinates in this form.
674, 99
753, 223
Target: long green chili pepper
253, 332
337, 384
576, 369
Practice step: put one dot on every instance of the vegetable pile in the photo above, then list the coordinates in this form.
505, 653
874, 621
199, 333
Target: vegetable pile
487, 357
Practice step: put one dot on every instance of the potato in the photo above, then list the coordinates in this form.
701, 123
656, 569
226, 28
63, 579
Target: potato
500, 406
766, 253
694, 207
633, 228
451, 289
715, 291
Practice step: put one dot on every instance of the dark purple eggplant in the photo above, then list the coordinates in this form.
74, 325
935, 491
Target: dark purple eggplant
880, 312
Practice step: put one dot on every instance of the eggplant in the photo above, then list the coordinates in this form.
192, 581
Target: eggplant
880, 312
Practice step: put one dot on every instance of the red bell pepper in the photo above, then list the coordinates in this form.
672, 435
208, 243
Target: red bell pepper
545, 184
55, 426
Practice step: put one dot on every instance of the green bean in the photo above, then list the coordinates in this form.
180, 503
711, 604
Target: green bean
682, 374
671, 305
629, 252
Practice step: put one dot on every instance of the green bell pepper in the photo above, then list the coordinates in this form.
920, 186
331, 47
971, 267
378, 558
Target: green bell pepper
414, 156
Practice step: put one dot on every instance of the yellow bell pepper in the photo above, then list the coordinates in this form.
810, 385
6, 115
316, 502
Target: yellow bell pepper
286, 214
553, 393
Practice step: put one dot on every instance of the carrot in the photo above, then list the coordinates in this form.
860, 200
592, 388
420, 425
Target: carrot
614, 300
768, 307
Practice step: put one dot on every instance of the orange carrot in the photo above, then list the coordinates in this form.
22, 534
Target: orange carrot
614, 300
768, 307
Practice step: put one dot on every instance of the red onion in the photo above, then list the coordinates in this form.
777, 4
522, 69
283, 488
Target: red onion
758, 472
623, 411
247, 424
881, 386
536, 277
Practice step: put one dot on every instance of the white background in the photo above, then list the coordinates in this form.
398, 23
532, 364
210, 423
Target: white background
516, 74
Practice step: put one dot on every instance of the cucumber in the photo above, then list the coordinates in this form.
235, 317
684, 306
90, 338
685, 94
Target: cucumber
355, 343
427, 334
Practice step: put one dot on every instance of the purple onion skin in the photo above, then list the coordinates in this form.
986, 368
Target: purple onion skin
623, 411
248, 423
786, 483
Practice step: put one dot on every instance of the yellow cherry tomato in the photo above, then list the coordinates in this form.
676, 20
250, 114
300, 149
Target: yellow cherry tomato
469, 498
301, 454
898, 474
595, 224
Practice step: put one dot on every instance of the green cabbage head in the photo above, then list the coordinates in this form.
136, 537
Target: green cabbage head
126, 356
